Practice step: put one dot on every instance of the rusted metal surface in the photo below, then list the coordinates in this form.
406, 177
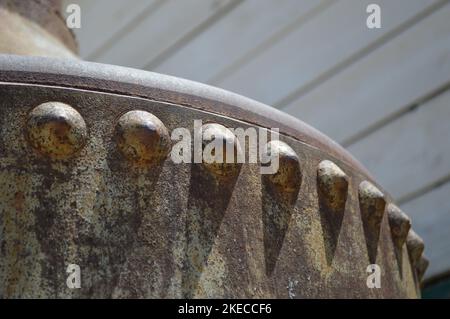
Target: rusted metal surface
288, 177
177, 230
163, 88
56, 129
142, 138
86, 179
400, 225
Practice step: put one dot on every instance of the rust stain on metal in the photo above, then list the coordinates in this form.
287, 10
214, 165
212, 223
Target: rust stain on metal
332, 184
217, 142
279, 195
372, 204
415, 246
399, 223
142, 138
56, 130
287, 178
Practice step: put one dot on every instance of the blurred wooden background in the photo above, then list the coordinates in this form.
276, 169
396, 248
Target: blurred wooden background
382, 93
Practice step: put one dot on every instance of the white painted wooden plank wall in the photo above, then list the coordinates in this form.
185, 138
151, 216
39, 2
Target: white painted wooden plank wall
387, 80
108, 18
383, 93
168, 25
412, 151
238, 35
314, 48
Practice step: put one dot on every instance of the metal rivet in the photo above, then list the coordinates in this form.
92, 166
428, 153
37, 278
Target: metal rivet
371, 201
421, 267
142, 138
217, 140
288, 176
56, 129
280, 184
372, 205
333, 186
399, 223
415, 246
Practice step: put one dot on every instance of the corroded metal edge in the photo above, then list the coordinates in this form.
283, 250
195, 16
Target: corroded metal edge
163, 88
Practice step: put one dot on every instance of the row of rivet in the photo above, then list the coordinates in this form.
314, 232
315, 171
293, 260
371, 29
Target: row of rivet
372, 205
58, 130
332, 185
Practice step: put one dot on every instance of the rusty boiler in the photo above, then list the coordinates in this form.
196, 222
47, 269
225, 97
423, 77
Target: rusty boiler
86, 179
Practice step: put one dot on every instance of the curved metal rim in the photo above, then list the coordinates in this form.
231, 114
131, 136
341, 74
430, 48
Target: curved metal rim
163, 88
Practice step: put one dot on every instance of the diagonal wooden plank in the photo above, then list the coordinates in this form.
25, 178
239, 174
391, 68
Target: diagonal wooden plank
412, 151
395, 76
101, 20
241, 31
161, 29
317, 46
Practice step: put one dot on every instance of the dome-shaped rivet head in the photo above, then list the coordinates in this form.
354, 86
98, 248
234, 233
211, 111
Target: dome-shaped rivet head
220, 150
399, 223
415, 246
372, 205
142, 138
287, 177
371, 201
56, 130
421, 267
333, 185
